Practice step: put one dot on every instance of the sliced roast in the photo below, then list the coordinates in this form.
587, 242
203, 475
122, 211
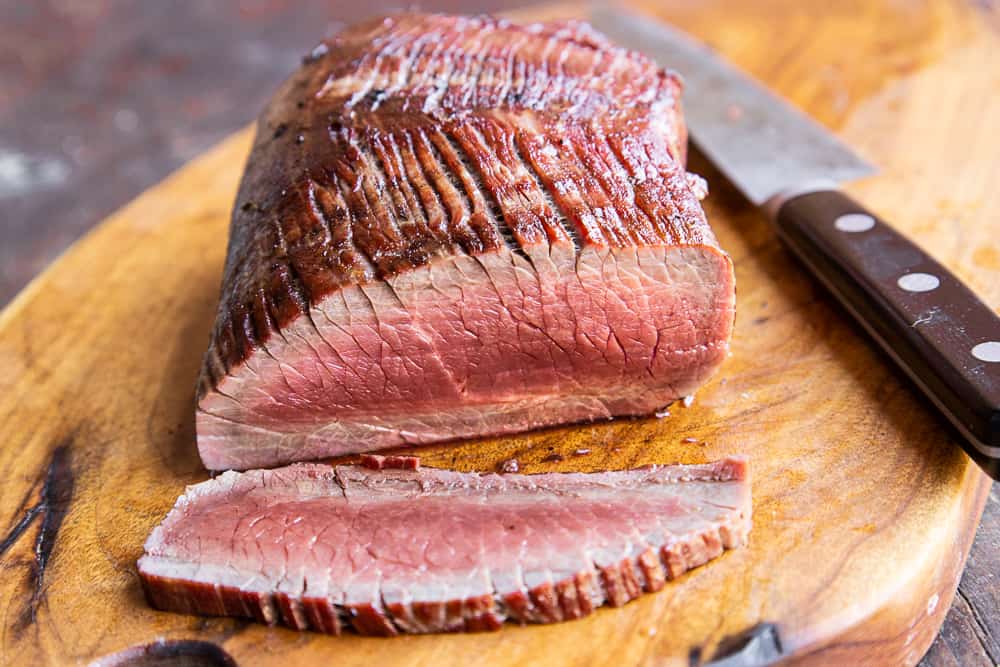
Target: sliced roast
450, 227
326, 548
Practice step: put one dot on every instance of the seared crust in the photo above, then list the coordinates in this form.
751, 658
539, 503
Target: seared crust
418, 137
565, 600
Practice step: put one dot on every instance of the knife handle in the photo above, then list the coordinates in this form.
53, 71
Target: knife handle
925, 318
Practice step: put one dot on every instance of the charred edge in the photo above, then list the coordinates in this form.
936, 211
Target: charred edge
299, 292
360, 214
335, 195
270, 322
661, 227
417, 244
390, 617
53, 505
224, 336
367, 259
215, 370
457, 185
413, 202
193, 652
414, 143
587, 158
317, 208
617, 169
245, 322
383, 197
208, 377
297, 287
492, 204
613, 584
558, 213
412, 168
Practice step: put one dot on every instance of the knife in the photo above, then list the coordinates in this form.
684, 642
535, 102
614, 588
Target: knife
931, 324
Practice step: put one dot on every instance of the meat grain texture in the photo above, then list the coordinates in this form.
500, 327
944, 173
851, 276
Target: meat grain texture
313, 546
451, 227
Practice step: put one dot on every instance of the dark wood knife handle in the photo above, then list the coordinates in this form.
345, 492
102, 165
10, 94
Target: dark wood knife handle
926, 319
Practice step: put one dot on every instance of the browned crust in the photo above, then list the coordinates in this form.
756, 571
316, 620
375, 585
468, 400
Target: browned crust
365, 166
567, 599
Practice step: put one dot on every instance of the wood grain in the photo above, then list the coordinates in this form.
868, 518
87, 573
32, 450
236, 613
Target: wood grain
865, 507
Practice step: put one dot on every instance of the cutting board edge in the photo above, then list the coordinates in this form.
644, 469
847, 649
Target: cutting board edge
886, 633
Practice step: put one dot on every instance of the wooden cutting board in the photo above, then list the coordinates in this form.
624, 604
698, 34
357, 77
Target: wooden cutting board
864, 506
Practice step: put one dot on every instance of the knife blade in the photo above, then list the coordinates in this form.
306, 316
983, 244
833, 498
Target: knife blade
925, 319
760, 142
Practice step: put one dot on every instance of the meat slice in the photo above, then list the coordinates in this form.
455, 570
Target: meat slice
451, 227
326, 548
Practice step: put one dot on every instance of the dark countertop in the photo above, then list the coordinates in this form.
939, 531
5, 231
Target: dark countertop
99, 100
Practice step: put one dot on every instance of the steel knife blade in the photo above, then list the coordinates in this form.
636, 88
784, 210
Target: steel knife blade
925, 319
762, 144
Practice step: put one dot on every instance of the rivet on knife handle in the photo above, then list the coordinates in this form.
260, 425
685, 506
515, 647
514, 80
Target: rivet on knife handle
930, 323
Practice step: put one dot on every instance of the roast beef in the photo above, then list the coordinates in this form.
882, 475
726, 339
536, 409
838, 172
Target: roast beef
451, 227
329, 548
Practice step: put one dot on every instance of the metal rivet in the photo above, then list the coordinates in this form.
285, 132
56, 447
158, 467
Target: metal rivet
918, 282
854, 222
988, 351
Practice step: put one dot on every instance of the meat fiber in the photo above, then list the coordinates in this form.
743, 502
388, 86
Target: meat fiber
451, 227
327, 548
